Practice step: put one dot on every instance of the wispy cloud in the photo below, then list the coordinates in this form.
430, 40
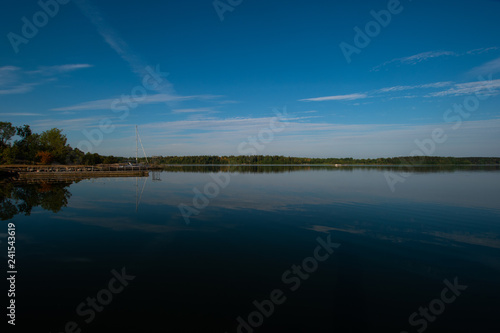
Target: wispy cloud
105, 104
18, 89
482, 50
75, 124
165, 89
424, 56
350, 97
9, 81
243, 127
59, 69
491, 67
113, 39
8, 75
195, 110
436, 84
486, 88
15, 80
419, 86
222, 136
380, 92
20, 114
415, 59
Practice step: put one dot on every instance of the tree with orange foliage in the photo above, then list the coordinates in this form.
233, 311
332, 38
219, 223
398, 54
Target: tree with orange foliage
45, 157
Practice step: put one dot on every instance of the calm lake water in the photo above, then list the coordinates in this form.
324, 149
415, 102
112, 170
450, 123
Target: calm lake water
262, 249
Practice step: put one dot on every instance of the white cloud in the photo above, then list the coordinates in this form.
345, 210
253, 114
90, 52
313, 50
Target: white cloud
15, 80
241, 128
417, 58
113, 39
424, 56
59, 69
380, 92
485, 88
491, 67
436, 84
223, 136
9, 81
414, 59
20, 114
335, 98
104, 104
193, 110
482, 50
419, 86
395, 88
18, 89
8, 75
76, 124
6, 69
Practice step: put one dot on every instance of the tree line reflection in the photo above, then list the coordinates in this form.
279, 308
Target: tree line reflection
294, 168
21, 197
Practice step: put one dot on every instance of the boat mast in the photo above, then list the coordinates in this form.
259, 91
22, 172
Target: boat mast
137, 140
136, 145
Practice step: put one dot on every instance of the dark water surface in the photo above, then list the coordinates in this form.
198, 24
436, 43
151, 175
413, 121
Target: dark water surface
267, 250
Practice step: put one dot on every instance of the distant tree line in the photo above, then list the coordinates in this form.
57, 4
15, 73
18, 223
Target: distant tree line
270, 160
324, 167
50, 147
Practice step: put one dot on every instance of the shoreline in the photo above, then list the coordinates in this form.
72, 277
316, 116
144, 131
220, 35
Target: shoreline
65, 172
81, 174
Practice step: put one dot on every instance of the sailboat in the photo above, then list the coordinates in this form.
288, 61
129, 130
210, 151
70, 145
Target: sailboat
137, 141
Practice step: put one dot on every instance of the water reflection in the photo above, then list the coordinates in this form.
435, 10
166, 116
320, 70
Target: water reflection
294, 168
21, 197
397, 248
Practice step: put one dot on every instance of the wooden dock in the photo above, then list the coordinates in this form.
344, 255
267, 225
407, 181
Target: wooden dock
66, 172
81, 174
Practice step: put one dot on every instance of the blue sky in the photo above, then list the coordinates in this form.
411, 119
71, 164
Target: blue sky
89, 69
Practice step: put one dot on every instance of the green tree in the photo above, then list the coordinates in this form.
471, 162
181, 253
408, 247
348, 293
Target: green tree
24, 131
7, 131
54, 142
29, 144
92, 159
110, 160
8, 154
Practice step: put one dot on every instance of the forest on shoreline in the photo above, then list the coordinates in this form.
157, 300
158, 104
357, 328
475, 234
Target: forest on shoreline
286, 160
51, 147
